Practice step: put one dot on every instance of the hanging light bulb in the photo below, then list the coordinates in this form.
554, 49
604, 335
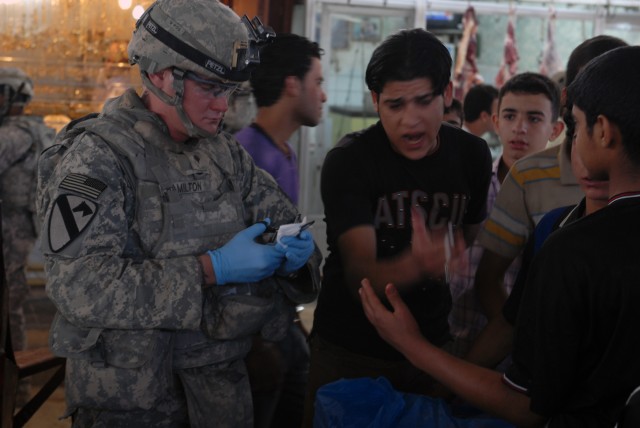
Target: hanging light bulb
124, 4
137, 12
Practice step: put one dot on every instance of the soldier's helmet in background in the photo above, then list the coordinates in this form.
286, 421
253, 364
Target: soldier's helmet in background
16, 86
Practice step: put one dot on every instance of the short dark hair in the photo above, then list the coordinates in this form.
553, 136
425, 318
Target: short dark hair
456, 106
287, 55
588, 50
533, 83
580, 56
609, 86
407, 55
478, 99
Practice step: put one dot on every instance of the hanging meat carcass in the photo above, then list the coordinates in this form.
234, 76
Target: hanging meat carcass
550, 63
466, 69
509, 64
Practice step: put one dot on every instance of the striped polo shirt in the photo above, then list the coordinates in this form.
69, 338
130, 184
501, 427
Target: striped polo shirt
534, 186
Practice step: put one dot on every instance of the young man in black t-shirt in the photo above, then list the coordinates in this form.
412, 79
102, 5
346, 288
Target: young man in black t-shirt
576, 352
370, 183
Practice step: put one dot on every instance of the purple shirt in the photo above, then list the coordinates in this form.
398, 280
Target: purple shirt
266, 155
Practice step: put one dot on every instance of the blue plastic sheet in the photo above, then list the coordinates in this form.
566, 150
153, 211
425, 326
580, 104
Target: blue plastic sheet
373, 403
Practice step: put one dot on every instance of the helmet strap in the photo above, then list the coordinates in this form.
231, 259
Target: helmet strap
177, 102
156, 91
178, 85
6, 103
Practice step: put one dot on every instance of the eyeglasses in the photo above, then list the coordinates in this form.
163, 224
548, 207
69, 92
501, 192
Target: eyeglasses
212, 88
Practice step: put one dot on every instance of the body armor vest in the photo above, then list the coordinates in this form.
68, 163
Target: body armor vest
186, 202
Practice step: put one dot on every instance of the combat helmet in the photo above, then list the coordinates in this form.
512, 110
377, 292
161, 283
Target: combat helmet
16, 87
196, 37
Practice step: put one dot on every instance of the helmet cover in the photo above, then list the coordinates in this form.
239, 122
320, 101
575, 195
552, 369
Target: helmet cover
202, 36
17, 85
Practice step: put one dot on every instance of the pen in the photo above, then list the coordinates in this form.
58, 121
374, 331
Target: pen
306, 225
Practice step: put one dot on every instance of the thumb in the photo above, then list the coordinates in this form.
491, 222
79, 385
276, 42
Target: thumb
305, 235
256, 229
417, 222
394, 297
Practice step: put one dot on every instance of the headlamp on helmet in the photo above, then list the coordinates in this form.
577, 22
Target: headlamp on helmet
248, 55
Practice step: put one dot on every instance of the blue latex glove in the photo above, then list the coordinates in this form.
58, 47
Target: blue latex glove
297, 250
244, 260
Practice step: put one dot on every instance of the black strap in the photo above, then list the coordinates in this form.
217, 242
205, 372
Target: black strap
192, 53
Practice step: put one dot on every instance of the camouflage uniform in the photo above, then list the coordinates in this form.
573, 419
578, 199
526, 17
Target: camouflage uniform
125, 212
23, 138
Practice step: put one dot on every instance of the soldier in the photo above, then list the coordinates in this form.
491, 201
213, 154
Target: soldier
23, 138
153, 235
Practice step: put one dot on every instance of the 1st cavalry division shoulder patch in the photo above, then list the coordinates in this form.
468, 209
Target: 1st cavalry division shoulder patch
70, 216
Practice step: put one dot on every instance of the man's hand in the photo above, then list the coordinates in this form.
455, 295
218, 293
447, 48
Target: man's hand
479, 386
297, 250
242, 259
399, 327
438, 253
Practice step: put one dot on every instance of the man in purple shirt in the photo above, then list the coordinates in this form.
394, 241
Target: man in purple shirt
288, 91
287, 87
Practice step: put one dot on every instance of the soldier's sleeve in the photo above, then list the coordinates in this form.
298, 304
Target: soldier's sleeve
263, 198
15, 144
98, 276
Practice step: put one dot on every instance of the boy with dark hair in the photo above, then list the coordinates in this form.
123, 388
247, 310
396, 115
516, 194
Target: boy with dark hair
286, 55
370, 182
581, 55
288, 91
479, 106
453, 114
581, 374
527, 119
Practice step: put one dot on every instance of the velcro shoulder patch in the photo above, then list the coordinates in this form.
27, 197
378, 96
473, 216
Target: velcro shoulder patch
71, 215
